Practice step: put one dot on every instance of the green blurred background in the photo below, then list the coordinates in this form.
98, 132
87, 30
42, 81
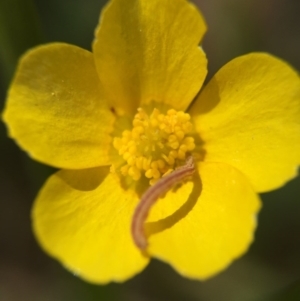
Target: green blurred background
270, 271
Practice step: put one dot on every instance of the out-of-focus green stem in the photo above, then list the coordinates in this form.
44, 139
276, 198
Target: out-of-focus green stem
19, 30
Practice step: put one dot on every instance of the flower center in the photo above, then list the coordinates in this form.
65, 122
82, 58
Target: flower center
156, 145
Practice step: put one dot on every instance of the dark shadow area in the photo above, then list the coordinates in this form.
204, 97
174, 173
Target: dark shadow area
202, 103
84, 179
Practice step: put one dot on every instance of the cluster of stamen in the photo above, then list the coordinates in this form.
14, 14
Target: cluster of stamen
156, 145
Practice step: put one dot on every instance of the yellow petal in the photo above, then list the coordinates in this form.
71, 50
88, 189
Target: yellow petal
55, 110
249, 117
213, 227
82, 218
148, 51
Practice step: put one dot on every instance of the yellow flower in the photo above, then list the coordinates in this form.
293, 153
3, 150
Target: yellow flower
113, 121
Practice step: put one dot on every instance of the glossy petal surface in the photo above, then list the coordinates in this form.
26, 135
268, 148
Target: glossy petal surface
148, 51
249, 117
82, 218
214, 226
55, 109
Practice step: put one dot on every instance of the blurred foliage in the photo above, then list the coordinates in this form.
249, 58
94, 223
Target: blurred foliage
270, 271
16, 34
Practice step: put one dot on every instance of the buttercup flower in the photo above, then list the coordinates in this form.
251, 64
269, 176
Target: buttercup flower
121, 118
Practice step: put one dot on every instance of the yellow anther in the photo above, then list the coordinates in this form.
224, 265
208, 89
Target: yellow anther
181, 154
122, 150
124, 170
162, 126
153, 181
167, 129
138, 129
183, 147
134, 173
171, 112
112, 168
156, 144
139, 162
174, 144
131, 161
117, 143
126, 155
155, 173
191, 147
146, 163
125, 140
154, 123
171, 160
154, 164
161, 164
188, 140
160, 117
173, 153
160, 145
132, 150
172, 138
179, 134
135, 135
137, 122
148, 173
126, 133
